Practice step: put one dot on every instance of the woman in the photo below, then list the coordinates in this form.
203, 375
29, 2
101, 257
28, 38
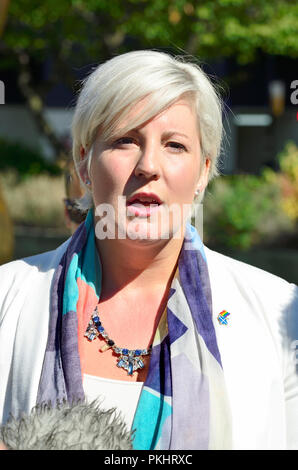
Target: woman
195, 349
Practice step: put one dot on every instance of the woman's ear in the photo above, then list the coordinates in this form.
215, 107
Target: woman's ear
203, 180
83, 165
82, 152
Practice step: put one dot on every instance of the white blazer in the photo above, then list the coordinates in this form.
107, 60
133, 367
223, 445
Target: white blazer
257, 346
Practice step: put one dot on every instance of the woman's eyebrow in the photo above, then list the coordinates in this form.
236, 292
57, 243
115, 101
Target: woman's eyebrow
169, 134
165, 135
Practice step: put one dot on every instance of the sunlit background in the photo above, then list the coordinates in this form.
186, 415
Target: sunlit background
250, 50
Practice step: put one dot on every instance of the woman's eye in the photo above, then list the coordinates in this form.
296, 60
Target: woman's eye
176, 146
123, 141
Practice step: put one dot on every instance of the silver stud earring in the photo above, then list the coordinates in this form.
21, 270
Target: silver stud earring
197, 192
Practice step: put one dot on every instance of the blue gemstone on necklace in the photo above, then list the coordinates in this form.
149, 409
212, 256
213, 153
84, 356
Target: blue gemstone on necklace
125, 351
101, 329
138, 352
120, 363
140, 363
96, 319
130, 368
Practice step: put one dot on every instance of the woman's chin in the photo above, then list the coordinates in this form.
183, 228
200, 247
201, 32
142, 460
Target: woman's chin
144, 233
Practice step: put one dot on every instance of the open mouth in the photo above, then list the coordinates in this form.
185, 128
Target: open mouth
143, 204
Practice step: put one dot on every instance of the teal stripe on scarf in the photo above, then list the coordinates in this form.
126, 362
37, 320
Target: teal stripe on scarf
150, 417
85, 265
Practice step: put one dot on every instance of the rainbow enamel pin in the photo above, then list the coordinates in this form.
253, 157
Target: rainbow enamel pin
223, 317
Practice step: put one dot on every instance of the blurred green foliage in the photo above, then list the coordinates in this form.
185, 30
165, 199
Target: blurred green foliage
94, 29
287, 179
24, 160
36, 200
241, 211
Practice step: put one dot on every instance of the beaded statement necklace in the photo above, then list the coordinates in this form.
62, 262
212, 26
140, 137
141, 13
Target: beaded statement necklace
129, 359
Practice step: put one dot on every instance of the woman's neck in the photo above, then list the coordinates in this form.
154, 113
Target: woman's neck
132, 267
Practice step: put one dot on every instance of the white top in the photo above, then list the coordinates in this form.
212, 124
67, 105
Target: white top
112, 393
257, 346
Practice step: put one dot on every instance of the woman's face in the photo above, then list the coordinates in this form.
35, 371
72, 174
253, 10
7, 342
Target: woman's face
156, 170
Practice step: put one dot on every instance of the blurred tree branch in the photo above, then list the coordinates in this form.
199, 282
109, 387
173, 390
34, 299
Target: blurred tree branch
36, 106
3, 14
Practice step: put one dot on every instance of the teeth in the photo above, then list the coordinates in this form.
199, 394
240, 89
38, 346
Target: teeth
143, 199
149, 201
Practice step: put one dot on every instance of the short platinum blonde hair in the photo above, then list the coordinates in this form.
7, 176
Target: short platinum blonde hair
110, 92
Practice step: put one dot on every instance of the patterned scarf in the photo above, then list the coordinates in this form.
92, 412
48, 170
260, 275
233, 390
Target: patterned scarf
183, 403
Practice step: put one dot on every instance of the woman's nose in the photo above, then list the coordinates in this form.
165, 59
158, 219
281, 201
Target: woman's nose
148, 165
